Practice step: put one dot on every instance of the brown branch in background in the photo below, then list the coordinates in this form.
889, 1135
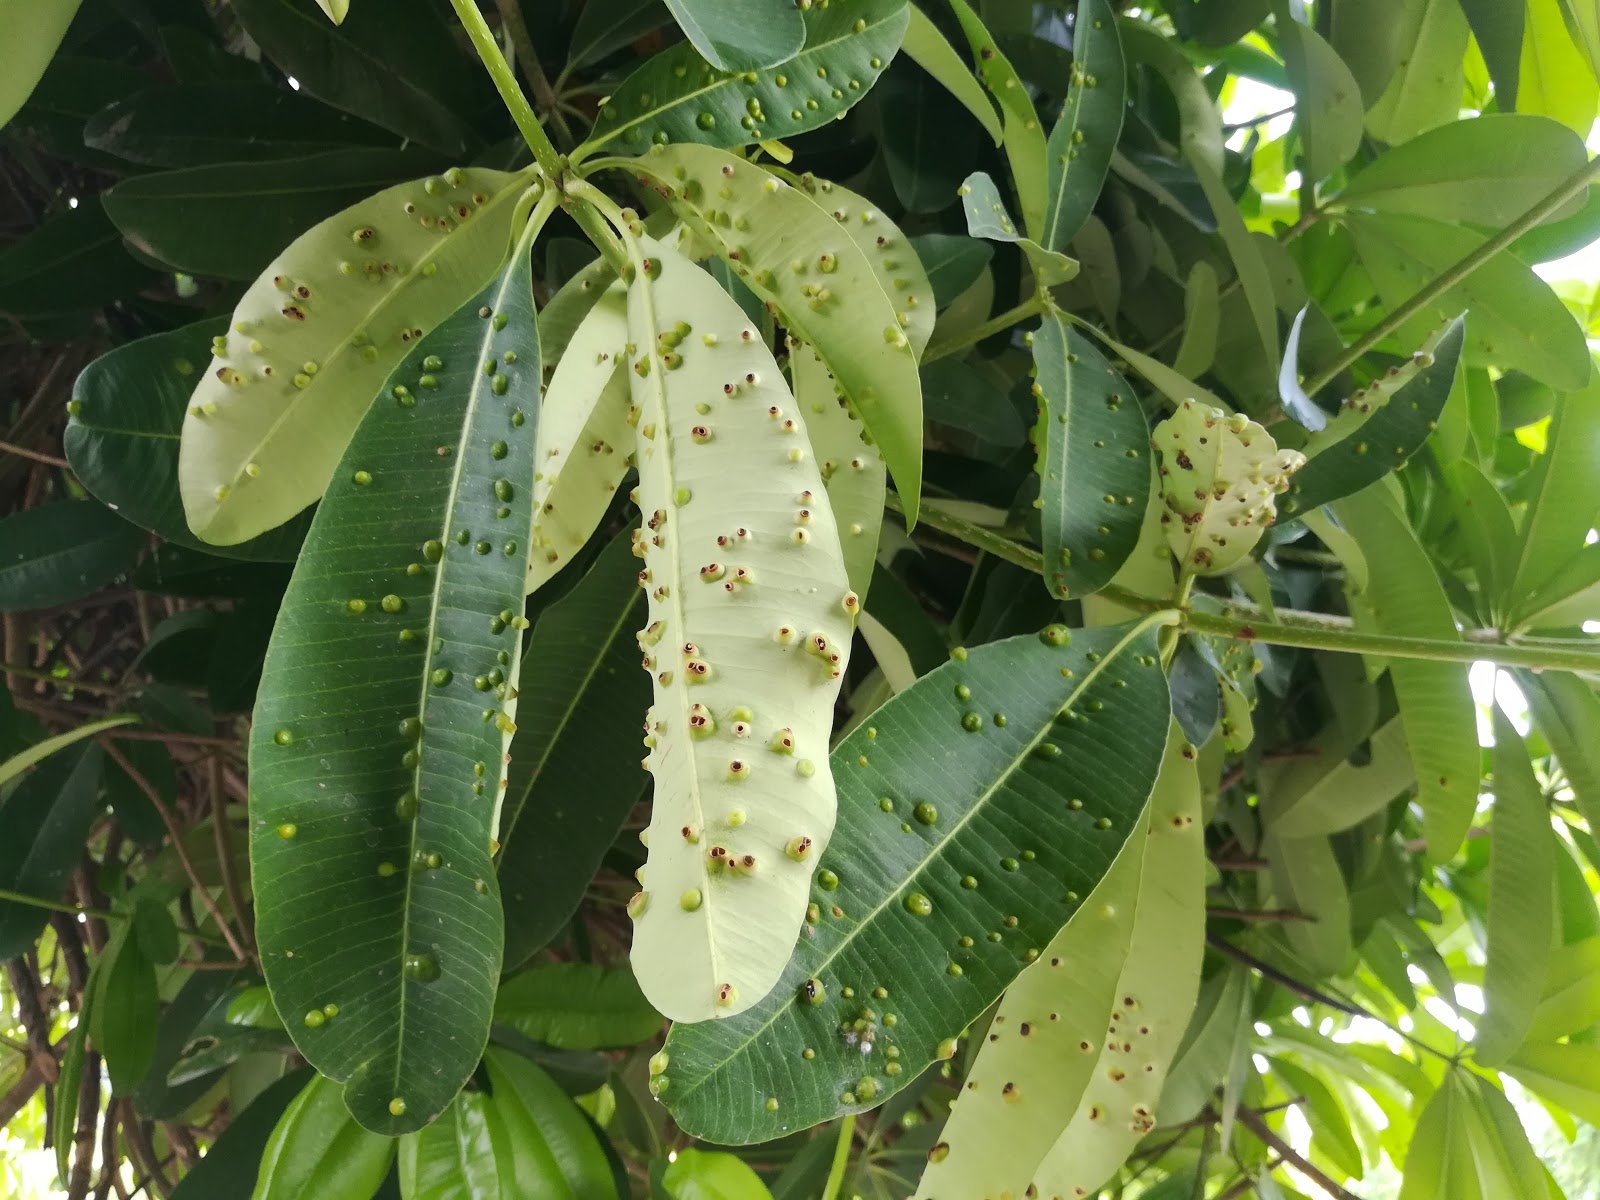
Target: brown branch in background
1253, 914
1268, 971
19, 1093
544, 96
49, 460
1290, 1156
31, 1013
69, 937
110, 1160
80, 1177
176, 834
219, 830
143, 1153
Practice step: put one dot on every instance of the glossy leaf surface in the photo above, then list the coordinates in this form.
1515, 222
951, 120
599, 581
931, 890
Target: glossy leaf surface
556, 1152
44, 820
122, 435
1084, 136
576, 1006
574, 773
1380, 427
680, 97
744, 687
385, 63
1028, 811
351, 296
1093, 464
834, 302
317, 1152
730, 36
383, 716
929, 49
36, 29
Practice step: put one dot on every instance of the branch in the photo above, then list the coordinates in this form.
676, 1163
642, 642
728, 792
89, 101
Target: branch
506, 84
1289, 1155
1449, 278
1031, 307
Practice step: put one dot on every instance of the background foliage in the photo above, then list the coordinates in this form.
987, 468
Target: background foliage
1366, 961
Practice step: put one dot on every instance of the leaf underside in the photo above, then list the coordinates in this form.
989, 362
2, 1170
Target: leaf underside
750, 620
383, 715
1022, 812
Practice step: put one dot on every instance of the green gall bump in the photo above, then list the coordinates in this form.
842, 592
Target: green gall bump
971, 722
637, 903
498, 450
1055, 635
690, 900
287, 830
397, 1107
885, 804
283, 737
314, 1019
918, 905
386, 870
355, 606
827, 880
392, 604
969, 882
925, 813
422, 967
442, 677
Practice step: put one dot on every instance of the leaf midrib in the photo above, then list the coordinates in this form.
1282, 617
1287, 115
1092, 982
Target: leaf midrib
479, 382
979, 805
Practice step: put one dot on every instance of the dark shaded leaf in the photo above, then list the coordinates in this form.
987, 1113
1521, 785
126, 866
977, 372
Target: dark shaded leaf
71, 262
392, 63
953, 262
122, 438
1084, 136
726, 36
577, 1006
197, 124
574, 773
228, 1170
605, 26
123, 1010
232, 219
57, 552
43, 824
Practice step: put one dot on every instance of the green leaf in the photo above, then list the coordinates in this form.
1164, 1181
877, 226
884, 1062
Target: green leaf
555, 1150
69, 1080
317, 1152
1563, 506
952, 262
1515, 320
1094, 470
993, 814
1521, 909
1067, 1104
1446, 173
743, 694
1425, 87
573, 777
1381, 426
390, 63
36, 29
1328, 98
1507, 1165
586, 438
350, 296
122, 436
1487, 534
1566, 710
1369, 39
1332, 790
1554, 75
1329, 1123
39, 751
928, 143
1570, 999
1084, 136
70, 262
577, 1006
1201, 316
1435, 699
123, 1009
1307, 879
605, 26
1199, 121
230, 219
336, 9
1221, 1020
387, 677
711, 1175
894, 262
928, 48
194, 124
1498, 29
1564, 1073
852, 469
1249, 267
60, 551
1220, 477
987, 218
228, 1169
464, 1155
1441, 1161
725, 36
834, 302
677, 96
1021, 134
